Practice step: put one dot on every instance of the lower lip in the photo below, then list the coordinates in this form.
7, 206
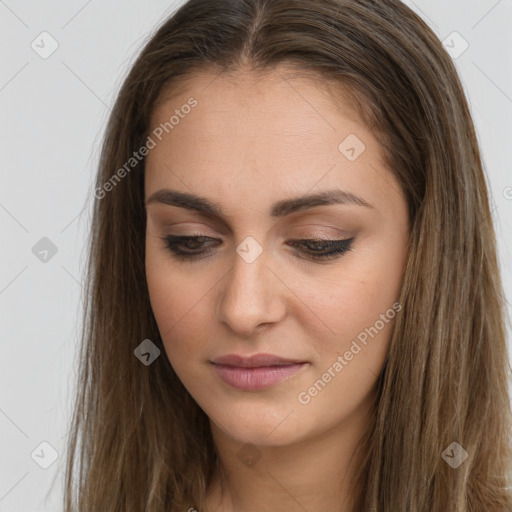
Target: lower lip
253, 379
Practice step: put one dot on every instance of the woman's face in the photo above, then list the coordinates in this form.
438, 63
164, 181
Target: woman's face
275, 342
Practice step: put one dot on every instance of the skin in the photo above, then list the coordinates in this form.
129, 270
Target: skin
253, 140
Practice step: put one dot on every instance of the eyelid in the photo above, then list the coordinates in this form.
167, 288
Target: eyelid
191, 227
321, 226
309, 230
294, 225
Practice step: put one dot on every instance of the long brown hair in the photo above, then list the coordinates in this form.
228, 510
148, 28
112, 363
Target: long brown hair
138, 441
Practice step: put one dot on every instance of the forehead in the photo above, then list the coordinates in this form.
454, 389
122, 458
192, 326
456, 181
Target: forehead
245, 87
274, 131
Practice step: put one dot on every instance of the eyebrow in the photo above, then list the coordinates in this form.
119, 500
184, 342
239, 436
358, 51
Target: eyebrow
278, 209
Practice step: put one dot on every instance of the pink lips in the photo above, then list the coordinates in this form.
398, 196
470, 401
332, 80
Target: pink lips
255, 372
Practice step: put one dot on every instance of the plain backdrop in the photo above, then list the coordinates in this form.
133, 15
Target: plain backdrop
53, 110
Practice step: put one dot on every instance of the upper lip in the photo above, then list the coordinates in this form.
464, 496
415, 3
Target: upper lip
255, 361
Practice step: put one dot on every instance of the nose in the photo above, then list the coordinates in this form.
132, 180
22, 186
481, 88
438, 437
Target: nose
251, 296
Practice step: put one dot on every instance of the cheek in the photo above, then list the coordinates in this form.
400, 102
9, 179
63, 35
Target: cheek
359, 305
180, 306
360, 312
357, 298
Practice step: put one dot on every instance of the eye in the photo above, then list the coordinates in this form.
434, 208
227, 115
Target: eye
319, 248
187, 247
191, 243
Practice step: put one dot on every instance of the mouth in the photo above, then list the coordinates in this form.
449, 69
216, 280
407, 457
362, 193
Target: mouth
255, 361
256, 372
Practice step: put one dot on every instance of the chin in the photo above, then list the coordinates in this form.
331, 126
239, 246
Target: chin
258, 425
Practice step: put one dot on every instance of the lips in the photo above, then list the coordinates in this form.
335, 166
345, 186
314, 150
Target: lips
255, 361
255, 372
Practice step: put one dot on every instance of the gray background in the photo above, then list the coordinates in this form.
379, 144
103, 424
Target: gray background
53, 111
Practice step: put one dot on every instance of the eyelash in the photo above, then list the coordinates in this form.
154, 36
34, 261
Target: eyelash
339, 247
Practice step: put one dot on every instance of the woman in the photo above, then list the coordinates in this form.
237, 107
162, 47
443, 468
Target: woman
294, 301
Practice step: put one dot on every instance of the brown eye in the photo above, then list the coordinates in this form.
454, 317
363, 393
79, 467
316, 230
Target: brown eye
192, 247
327, 249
